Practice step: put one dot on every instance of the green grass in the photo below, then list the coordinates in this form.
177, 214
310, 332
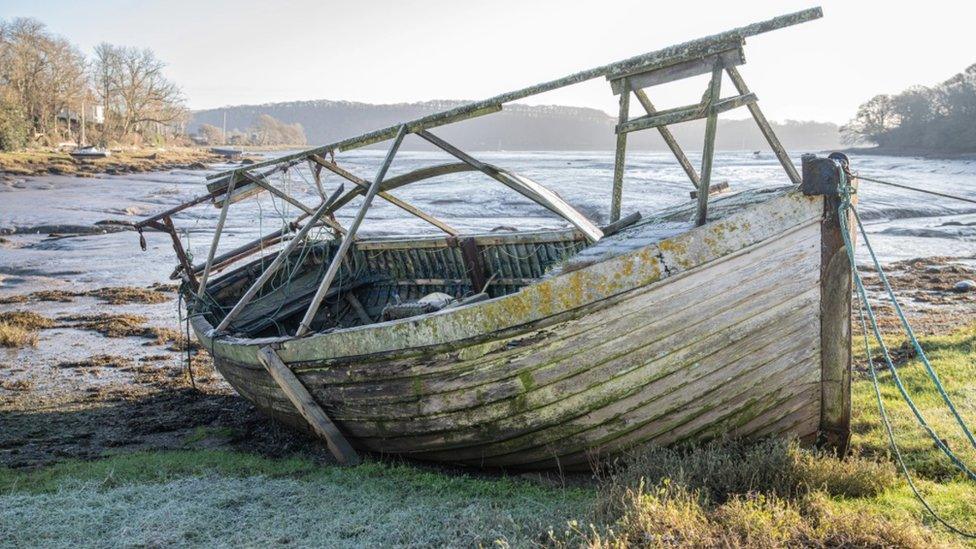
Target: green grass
723, 494
229, 498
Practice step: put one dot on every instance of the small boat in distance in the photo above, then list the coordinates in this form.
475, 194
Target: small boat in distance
90, 152
227, 152
540, 349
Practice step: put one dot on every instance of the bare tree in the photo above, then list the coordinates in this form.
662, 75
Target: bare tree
44, 74
136, 95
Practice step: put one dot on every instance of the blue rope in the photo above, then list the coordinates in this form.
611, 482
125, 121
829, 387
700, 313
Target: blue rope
843, 210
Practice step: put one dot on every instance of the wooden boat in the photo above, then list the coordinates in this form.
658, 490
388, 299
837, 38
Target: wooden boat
227, 152
90, 152
546, 348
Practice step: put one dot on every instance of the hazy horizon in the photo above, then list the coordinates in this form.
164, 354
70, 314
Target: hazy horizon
248, 52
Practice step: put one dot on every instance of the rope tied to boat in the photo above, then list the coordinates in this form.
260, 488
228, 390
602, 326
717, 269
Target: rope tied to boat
845, 211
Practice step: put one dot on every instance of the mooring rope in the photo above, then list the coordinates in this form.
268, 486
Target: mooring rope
917, 189
845, 208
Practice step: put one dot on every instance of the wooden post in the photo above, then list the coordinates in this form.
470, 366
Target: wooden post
305, 325
180, 252
764, 127
708, 152
215, 242
278, 261
307, 407
620, 155
669, 139
836, 285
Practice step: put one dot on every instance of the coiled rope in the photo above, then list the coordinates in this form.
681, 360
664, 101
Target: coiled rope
844, 209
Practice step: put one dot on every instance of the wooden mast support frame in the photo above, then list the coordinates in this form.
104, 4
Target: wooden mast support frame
305, 325
304, 402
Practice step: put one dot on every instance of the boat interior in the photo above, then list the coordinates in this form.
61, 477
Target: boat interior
390, 278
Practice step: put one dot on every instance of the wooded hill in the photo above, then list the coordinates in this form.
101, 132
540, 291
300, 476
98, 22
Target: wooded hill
517, 127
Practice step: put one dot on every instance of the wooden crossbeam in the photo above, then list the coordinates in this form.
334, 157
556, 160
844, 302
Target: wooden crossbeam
305, 403
728, 54
363, 184
685, 114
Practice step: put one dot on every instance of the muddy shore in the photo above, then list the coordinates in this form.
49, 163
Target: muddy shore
56, 162
109, 372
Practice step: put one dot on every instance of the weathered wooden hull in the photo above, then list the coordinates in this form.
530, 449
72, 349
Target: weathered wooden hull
717, 331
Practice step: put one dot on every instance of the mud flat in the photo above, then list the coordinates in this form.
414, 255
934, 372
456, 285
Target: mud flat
55, 162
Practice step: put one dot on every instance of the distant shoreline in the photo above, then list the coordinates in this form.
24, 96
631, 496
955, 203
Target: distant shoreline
50, 161
931, 155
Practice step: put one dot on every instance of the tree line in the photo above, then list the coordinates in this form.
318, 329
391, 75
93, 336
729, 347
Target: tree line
265, 130
940, 118
50, 92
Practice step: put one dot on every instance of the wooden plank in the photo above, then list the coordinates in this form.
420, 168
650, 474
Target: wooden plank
683, 69
363, 184
305, 325
307, 407
686, 114
619, 158
669, 139
277, 263
765, 128
708, 153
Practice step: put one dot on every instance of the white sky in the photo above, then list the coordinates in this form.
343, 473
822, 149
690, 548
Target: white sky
245, 51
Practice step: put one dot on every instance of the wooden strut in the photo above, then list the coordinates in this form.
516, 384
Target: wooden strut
278, 261
363, 184
764, 127
708, 152
216, 240
305, 403
669, 139
620, 156
526, 187
305, 325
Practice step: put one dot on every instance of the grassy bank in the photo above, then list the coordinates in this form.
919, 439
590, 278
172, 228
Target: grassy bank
724, 494
53, 161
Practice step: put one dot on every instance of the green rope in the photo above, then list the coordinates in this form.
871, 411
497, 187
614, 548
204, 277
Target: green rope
843, 210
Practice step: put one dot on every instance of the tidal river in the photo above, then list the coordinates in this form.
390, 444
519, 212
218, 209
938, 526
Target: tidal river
902, 223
